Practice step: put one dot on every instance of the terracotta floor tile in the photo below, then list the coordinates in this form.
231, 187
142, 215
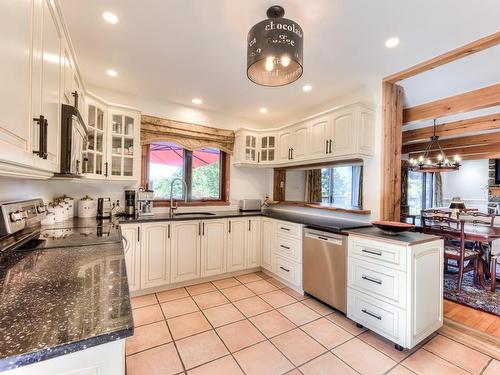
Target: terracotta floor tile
326, 333
385, 346
221, 315
147, 315
363, 358
147, 336
263, 275
223, 366
226, 283
272, 323
400, 370
326, 364
261, 286
278, 298
293, 293
276, 283
318, 306
239, 335
298, 313
200, 288
210, 299
142, 301
178, 307
169, 295
236, 293
263, 359
187, 325
201, 348
162, 360
294, 372
252, 306
347, 324
493, 368
424, 362
248, 278
297, 346
458, 354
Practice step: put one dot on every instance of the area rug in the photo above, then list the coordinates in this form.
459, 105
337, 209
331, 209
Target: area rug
475, 297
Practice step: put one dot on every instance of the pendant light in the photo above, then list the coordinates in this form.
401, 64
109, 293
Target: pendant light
275, 50
442, 164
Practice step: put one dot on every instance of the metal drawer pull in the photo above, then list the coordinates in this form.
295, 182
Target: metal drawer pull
285, 247
373, 280
288, 229
323, 238
284, 269
379, 253
371, 314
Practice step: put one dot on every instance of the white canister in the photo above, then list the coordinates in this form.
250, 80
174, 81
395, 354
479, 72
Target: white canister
58, 210
50, 218
87, 207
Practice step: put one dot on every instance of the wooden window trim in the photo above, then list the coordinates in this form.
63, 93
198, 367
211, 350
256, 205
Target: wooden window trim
225, 186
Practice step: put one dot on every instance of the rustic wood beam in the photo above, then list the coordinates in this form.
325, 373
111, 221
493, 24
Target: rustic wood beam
458, 53
469, 101
392, 121
279, 183
451, 143
462, 151
488, 122
490, 155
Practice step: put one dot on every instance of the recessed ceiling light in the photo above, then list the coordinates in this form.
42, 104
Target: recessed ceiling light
263, 110
110, 17
112, 72
196, 101
392, 42
307, 88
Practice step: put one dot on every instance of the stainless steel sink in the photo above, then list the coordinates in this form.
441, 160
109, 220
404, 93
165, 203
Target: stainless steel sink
194, 214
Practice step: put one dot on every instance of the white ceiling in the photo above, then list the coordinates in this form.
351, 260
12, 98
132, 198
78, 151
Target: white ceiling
179, 49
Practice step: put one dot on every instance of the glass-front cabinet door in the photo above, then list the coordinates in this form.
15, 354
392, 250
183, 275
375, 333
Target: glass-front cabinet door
267, 148
124, 144
250, 148
96, 152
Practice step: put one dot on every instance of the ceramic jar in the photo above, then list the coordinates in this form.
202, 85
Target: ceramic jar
87, 207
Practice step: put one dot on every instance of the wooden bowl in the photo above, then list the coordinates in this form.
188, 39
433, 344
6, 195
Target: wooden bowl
392, 227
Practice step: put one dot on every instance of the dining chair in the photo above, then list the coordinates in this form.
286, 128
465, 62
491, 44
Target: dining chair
453, 233
432, 212
407, 218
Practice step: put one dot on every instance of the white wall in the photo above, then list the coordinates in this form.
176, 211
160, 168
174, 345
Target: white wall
467, 183
295, 187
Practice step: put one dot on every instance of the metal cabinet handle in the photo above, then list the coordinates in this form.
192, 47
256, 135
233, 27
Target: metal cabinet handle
229, 226
249, 225
106, 169
203, 231
323, 238
330, 146
168, 231
42, 137
373, 280
138, 233
78, 167
291, 153
374, 252
284, 269
287, 229
376, 316
285, 247
199, 229
258, 157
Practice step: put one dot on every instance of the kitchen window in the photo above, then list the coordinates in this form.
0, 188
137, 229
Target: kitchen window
205, 171
341, 185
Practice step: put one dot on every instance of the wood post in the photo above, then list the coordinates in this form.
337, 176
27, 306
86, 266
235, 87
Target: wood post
392, 121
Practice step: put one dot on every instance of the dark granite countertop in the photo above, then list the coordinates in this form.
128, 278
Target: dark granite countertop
404, 238
61, 300
315, 222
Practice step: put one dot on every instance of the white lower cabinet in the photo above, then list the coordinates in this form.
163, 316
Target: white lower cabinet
253, 242
132, 249
395, 289
213, 247
268, 228
155, 254
237, 244
186, 250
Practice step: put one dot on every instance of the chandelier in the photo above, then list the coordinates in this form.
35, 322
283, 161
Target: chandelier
274, 50
442, 164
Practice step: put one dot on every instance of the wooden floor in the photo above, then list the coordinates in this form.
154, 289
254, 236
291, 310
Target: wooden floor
480, 320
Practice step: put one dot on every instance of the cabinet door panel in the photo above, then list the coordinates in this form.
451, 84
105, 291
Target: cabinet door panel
268, 241
342, 125
236, 245
284, 146
132, 251
155, 255
185, 251
319, 137
300, 142
253, 243
213, 248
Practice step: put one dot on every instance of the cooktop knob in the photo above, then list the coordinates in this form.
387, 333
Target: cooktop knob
16, 216
41, 209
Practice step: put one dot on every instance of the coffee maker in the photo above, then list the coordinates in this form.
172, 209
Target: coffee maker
145, 200
130, 202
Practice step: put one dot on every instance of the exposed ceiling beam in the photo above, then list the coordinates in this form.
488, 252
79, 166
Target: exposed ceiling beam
469, 101
490, 155
488, 122
472, 140
462, 151
458, 53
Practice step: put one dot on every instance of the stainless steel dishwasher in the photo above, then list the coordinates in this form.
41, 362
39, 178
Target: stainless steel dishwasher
325, 261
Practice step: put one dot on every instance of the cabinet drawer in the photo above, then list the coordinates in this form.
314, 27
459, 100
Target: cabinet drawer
288, 270
378, 252
289, 229
378, 281
289, 247
382, 318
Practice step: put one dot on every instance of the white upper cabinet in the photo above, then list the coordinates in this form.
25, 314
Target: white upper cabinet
95, 157
285, 144
319, 141
267, 152
342, 133
300, 142
254, 148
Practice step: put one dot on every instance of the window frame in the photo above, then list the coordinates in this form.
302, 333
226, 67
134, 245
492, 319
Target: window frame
165, 202
424, 184
331, 185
